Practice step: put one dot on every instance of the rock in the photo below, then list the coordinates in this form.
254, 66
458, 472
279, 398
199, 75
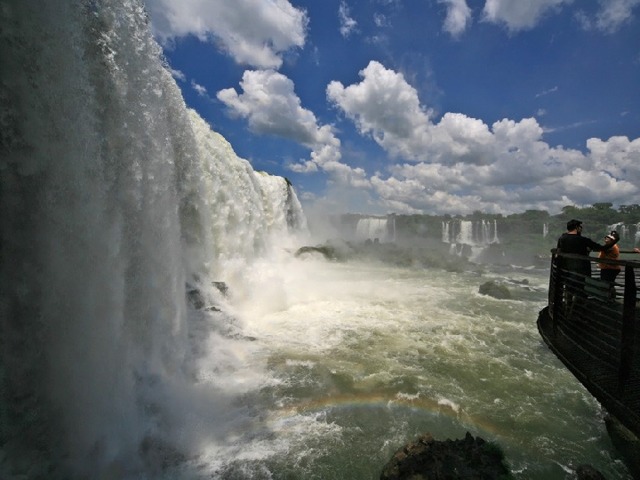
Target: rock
426, 458
222, 287
195, 298
326, 251
495, 290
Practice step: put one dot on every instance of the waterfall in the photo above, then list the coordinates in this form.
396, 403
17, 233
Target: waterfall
113, 197
467, 232
446, 235
373, 228
476, 235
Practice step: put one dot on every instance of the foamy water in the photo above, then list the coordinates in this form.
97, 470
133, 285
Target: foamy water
357, 360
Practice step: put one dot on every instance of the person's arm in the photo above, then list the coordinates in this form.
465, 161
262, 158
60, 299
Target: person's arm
596, 246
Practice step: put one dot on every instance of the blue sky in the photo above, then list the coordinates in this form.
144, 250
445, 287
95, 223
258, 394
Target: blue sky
419, 106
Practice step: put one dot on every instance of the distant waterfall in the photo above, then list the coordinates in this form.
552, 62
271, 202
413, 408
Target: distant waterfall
376, 229
113, 196
465, 234
474, 233
630, 233
621, 228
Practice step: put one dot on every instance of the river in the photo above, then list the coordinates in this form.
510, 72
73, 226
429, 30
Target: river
343, 363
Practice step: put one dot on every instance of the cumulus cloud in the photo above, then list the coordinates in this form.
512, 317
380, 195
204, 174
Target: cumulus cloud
618, 157
520, 15
252, 32
385, 106
458, 16
460, 164
347, 24
271, 107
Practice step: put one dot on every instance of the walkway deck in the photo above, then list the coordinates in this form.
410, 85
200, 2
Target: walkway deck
597, 335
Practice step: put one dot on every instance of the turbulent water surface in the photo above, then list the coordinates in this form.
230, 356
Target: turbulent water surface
123, 356
358, 359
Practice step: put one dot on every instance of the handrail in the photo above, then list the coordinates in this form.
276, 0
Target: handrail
592, 326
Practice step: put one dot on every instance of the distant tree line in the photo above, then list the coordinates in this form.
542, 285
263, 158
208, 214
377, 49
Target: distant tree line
597, 215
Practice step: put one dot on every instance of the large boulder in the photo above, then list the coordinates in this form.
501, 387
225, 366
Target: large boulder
470, 458
495, 290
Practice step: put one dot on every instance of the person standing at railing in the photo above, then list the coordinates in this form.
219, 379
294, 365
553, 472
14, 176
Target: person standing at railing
573, 242
609, 272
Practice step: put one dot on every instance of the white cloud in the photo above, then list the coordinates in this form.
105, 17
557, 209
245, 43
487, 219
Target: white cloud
202, 91
178, 75
460, 164
547, 92
617, 156
253, 32
347, 24
611, 15
380, 20
385, 106
458, 16
271, 107
520, 15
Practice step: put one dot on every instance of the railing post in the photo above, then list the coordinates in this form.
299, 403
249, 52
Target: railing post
627, 339
556, 298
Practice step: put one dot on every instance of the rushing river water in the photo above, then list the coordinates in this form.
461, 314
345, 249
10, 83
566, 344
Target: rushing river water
357, 359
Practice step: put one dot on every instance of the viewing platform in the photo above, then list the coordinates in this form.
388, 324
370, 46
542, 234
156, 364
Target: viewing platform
592, 327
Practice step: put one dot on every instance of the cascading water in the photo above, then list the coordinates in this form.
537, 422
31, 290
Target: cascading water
113, 196
373, 228
474, 234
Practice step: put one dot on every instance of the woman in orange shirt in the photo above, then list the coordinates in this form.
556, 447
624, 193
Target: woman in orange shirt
609, 272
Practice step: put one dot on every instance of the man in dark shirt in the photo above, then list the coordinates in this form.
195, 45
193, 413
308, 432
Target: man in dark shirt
572, 241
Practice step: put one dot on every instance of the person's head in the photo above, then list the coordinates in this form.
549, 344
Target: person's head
574, 225
612, 237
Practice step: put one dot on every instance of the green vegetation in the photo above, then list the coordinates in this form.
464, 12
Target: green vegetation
524, 238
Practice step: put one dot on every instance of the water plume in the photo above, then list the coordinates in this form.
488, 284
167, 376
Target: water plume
113, 197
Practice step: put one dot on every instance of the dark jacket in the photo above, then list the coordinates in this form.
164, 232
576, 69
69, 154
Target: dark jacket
574, 243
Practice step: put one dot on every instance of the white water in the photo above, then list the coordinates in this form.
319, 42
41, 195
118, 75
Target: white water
372, 229
115, 197
350, 361
466, 233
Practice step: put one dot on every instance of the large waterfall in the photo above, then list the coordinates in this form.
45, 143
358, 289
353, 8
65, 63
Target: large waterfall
113, 197
377, 229
475, 235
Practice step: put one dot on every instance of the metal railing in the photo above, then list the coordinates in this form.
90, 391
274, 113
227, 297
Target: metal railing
592, 326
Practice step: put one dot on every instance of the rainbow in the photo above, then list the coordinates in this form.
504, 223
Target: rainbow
381, 400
